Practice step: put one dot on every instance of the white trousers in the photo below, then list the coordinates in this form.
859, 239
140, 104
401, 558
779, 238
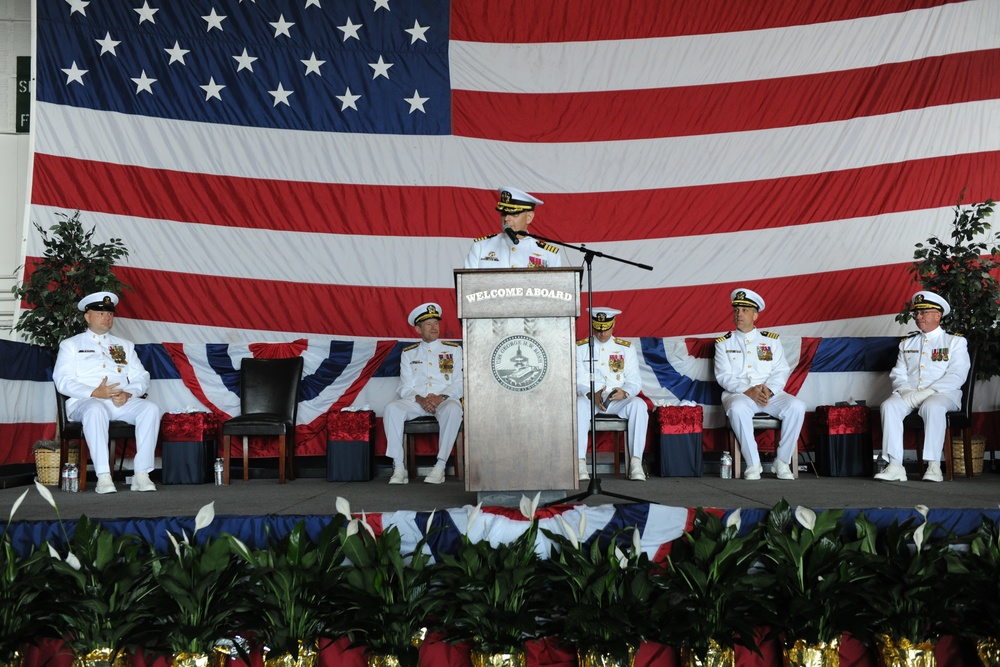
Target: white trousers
632, 408
449, 416
741, 408
96, 413
932, 411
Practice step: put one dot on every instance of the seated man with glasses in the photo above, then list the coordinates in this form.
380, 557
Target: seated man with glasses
508, 249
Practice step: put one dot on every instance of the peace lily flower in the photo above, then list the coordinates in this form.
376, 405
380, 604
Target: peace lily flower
806, 517
529, 507
734, 519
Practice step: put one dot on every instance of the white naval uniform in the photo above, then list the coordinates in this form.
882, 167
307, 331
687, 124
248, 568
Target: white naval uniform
426, 368
615, 366
499, 252
937, 360
83, 361
744, 360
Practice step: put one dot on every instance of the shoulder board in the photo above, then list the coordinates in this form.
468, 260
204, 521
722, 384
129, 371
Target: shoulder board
582, 341
623, 343
952, 333
411, 347
450, 343
483, 238
547, 246
768, 334
911, 334
724, 338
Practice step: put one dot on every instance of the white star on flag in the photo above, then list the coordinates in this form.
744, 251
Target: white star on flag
310, 3
312, 65
417, 32
177, 54
281, 27
108, 45
245, 61
348, 100
146, 13
280, 95
213, 20
381, 68
212, 89
74, 73
77, 6
143, 83
379, 4
416, 102
350, 29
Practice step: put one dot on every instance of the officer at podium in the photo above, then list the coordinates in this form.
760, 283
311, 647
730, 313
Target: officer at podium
507, 249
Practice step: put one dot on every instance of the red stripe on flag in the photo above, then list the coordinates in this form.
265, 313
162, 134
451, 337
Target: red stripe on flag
807, 353
388, 211
515, 21
190, 378
731, 107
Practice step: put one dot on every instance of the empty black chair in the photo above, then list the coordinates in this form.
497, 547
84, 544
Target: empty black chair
269, 401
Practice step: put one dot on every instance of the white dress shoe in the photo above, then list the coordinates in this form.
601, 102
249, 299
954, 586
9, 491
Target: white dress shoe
893, 472
933, 473
584, 474
141, 482
399, 476
105, 484
753, 472
635, 471
782, 470
436, 475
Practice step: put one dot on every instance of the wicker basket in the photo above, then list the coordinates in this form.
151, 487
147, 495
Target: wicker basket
958, 454
47, 463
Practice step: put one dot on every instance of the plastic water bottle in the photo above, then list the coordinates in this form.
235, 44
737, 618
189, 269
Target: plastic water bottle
219, 469
74, 478
64, 477
726, 468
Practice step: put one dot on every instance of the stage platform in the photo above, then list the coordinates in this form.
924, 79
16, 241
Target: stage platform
313, 495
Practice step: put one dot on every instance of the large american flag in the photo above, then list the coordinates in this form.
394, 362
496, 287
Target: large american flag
319, 167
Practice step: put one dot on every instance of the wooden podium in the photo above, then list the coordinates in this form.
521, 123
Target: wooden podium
519, 359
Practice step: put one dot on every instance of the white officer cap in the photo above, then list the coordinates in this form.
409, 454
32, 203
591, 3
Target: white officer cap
745, 297
105, 301
603, 318
924, 300
424, 311
513, 200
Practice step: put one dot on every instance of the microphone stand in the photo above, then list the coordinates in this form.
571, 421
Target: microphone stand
594, 487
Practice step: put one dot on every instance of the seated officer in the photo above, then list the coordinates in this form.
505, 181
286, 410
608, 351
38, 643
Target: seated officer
616, 385
750, 367
430, 384
507, 250
931, 367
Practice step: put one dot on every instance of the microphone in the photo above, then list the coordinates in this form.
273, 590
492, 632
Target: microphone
511, 234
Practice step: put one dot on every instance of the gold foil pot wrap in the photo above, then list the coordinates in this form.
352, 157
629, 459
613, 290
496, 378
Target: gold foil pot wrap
904, 653
418, 637
823, 654
988, 649
308, 657
101, 657
217, 657
715, 656
596, 658
512, 659
382, 660
16, 660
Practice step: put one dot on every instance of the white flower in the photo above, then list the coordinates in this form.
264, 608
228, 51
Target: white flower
17, 503
473, 515
430, 523
806, 517
569, 532
45, 493
583, 525
364, 522
205, 516
73, 561
528, 507
343, 507
173, 541
622, 560
185, 536
918, 535
636, 540
53, 553
924, 510
352, 527
734, 519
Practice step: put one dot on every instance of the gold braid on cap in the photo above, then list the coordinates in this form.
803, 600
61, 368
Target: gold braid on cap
508, 204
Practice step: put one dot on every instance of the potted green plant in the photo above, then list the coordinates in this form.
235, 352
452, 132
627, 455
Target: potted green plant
495, 591
392, 591
977, 600
602, 593
814, 573
710, 592
910, 594
22, 604
294, 584
199, 595
72, 267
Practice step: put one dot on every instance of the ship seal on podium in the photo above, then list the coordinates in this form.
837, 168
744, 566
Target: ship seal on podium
519, 363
